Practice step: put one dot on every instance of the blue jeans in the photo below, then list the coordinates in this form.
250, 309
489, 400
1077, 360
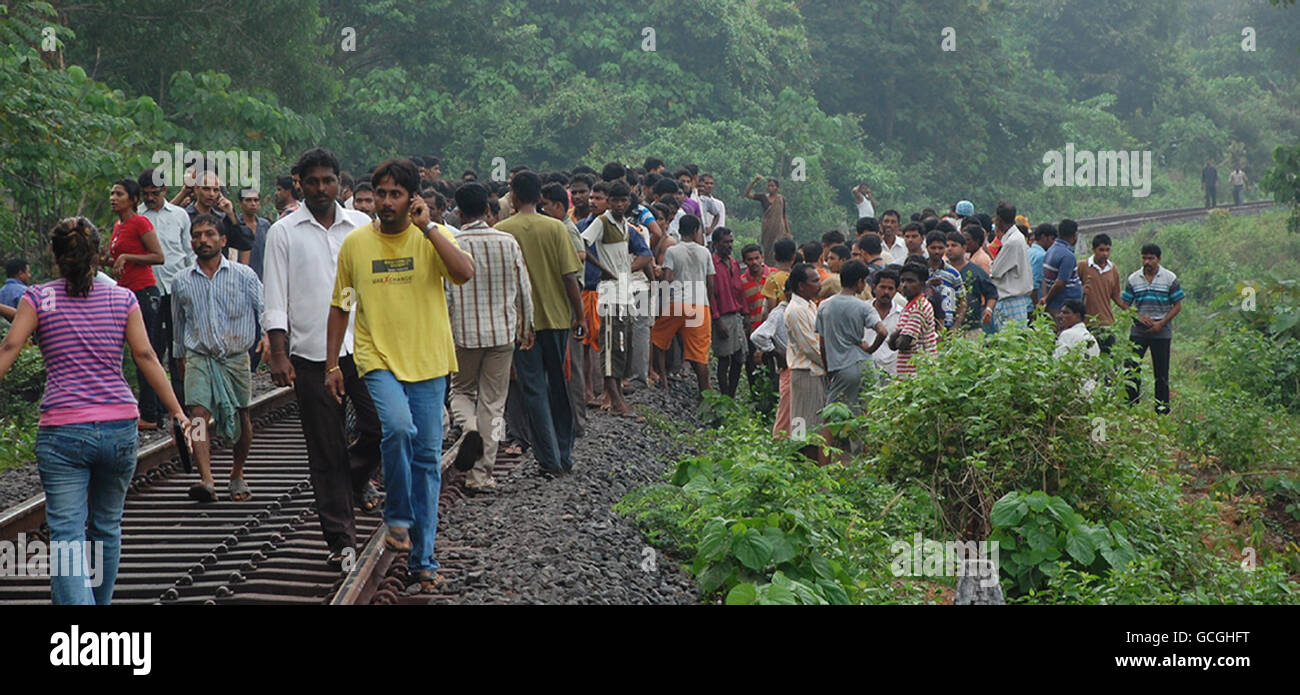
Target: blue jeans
85, 469
540, 374
410, 415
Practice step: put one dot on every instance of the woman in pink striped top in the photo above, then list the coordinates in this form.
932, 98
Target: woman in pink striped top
86, 443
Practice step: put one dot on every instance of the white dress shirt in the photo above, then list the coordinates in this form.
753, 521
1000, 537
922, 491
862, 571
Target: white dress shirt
1010, 271
301, 261
172, 225
886, 360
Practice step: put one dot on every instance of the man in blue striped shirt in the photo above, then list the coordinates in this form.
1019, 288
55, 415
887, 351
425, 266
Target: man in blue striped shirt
1155, 293
215, 307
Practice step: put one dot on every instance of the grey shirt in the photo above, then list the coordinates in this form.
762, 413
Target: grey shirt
841, 322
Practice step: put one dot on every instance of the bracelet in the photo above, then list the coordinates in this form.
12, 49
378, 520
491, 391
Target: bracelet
331, 370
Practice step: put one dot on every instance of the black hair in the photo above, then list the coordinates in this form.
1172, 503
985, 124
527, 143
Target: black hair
652, 163
784, 249
208, 219
689, 226
842, 251
1076, 306
556, 193
721, 232
1006, 212
619, 189
286, 182
693, 168
1100, 239
527, 187
346, 180
75, 243
146, 178
945, 226
363, 187
958, 238
582, 178
920, 229
1046, 229
886, 273
472, 199
853, 272
584, 169
1068, 228
920, 272
1151, 250
665, 186
866, 224
402, 171
798, 274
469, 174
833, 237
613, 171
870, 243
749, 248
16, 266
889, 212
316, 157
132, 188
936, 237
929, 223
812, 252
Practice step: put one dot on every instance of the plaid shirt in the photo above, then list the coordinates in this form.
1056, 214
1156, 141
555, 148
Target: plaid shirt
495, 307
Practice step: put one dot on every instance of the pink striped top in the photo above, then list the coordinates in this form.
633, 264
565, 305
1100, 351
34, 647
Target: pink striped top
81, 340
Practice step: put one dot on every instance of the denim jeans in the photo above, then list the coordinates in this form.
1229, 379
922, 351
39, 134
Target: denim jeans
539, 372
150, 300
410, 415
85, 469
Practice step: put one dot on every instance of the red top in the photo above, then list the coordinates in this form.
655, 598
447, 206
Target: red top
754, 294
730, 297
127, 239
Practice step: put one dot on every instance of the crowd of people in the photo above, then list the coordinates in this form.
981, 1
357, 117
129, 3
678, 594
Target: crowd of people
510, 309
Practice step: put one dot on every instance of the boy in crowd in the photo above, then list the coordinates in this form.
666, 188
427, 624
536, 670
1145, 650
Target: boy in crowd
1101, 286
981, 295
688, 268
945, 279
916, 333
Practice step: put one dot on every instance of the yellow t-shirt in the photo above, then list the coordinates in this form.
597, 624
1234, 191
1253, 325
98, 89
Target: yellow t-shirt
395, 282
549, 255
774, 288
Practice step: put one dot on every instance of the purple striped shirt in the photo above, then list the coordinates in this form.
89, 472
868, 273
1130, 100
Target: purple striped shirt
81, 340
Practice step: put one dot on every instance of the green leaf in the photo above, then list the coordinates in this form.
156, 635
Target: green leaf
742, 595
1080, 547
752, 549
777, 596
1037, 500
1008, 511
715, 543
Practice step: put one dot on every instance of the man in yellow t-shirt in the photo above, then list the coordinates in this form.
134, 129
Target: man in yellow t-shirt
392, 272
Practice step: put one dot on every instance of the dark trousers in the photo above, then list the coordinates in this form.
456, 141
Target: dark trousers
150, 300
166, 335
338, 471
540, 375
1211, 198
729, 367
1159, 364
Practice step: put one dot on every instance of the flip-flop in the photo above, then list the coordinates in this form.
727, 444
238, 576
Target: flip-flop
203, 493
397, 539
239, 487
370, 498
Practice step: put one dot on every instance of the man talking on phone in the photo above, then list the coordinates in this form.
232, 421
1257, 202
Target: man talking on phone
206, 198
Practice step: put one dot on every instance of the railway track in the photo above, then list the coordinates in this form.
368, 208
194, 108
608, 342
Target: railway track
1121, 225
268, 550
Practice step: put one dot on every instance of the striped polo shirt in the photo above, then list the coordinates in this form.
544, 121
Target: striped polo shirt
1153, 298
81, 340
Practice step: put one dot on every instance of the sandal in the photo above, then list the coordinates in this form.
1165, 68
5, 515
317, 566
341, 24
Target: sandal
371, 498
430, 581
203, 493
239, 491
398, 539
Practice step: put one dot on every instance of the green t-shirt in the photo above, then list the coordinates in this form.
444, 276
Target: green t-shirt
549, 255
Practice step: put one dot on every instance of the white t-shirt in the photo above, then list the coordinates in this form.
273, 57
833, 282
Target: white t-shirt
866, 209
886, 360
1075, 335
691, 265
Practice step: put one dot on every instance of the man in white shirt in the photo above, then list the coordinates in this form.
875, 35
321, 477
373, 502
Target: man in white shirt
715, 212
302, 252
862, 198
1011, 272
891, 237
1074, 331
172, 225
884, 288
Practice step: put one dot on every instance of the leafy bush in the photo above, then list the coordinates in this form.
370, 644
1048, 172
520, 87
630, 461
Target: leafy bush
23, 384
1040, 530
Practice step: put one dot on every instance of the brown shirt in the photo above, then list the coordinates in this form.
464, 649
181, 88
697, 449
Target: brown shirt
1099, 290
